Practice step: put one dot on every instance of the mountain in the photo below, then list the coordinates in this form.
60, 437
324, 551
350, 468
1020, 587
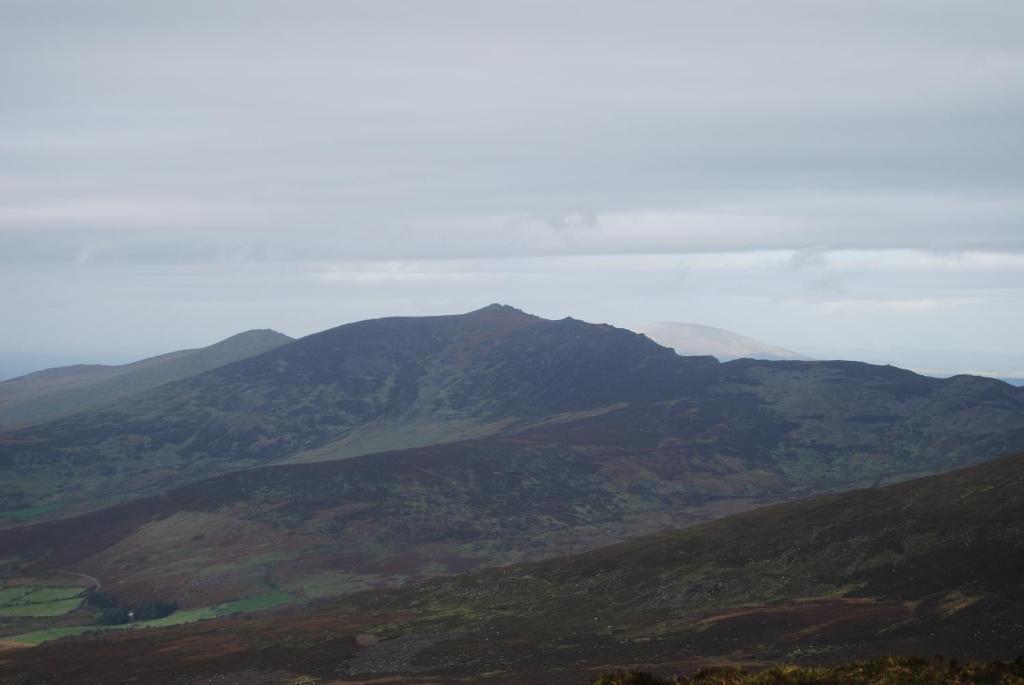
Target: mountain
922, 567
694, 339
359, 388
54, 393
721, 438
772, 429
388, 451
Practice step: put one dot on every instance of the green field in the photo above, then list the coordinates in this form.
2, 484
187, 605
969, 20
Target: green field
42, 610
33, 601
257, 603
36, 637
26, 513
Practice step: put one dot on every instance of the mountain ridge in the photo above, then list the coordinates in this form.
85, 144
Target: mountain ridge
876, 572
50, 394
398, 382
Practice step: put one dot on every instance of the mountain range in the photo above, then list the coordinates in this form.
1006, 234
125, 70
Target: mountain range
387, 384
54, 393
384, 453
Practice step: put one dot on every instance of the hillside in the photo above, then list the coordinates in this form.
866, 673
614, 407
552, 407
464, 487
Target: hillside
697, 339
924, 567
54, 393
781, 429
359, 388
569, 483
384, 519
929, 566
392, 383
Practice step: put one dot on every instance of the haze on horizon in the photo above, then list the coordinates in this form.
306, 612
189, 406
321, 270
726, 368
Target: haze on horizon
844, 180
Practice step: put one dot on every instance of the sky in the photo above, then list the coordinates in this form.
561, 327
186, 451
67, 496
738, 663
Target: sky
845, 179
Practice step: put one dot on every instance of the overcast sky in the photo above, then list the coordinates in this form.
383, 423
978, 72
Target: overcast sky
842, 178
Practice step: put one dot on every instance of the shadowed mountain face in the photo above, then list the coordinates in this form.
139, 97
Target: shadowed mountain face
392, 383
385, 519
924, 567
282, 478
53, 393
586, 435
351, 390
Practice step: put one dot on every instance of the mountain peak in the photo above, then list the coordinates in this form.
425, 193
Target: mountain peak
258, 334
502, 309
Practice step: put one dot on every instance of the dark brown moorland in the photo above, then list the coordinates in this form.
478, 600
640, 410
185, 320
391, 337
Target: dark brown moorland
927, 567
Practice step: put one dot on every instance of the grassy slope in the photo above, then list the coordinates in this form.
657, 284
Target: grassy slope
569, 484
465, 371
384, 519
402, 382
927, 566
921, 567
53, 393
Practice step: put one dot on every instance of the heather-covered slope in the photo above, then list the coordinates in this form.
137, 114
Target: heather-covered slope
923, 567
392, 383
565, 484
927, 566
384, 519
355, 389
53, 393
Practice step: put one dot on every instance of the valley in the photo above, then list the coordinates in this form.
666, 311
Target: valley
924, 567
246, 487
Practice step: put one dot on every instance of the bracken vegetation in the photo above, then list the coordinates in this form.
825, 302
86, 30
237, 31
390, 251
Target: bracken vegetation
884, 671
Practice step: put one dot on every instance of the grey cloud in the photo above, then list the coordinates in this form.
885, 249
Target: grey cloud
206, 151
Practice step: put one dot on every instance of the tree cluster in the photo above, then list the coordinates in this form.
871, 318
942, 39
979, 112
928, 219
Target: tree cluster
114, 611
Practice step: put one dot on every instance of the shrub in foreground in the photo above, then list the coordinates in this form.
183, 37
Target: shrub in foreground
884, 671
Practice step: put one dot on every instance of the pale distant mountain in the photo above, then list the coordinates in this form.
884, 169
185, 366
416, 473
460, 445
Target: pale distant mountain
691, 339
53, 393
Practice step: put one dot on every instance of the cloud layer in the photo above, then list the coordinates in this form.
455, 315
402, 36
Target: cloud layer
841, 175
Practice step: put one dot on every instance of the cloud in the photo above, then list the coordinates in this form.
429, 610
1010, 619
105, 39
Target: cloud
759, 166
924, 304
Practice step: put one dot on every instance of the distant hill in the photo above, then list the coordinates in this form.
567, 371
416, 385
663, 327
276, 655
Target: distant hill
54, 393
926, 567
696, 339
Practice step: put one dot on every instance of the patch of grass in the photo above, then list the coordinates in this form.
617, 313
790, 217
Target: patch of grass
257, 603
12, 595
249, 562
37, 637
26, 513
177, 618
41, 609
34, 601
238, 606
335, 583
42, 595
